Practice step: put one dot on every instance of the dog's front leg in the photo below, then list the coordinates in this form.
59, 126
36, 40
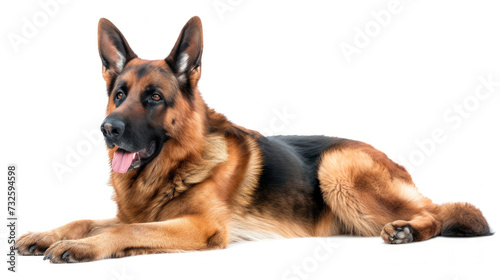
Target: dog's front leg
36, 243
180, 234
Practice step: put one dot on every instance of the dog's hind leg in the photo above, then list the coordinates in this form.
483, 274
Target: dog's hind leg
370, 195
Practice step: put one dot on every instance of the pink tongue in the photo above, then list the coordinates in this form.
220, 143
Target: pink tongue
122, 161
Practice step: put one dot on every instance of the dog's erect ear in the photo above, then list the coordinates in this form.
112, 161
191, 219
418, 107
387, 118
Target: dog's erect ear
113, 49
185, 57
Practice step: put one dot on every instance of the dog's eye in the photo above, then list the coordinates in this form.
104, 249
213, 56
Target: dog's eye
119, 95
156, 97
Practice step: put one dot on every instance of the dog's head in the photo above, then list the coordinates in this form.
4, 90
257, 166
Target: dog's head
151, 102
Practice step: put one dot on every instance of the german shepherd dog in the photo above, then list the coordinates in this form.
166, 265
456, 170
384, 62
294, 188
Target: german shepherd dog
185, 178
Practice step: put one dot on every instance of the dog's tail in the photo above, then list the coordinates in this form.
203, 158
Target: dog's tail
462, 219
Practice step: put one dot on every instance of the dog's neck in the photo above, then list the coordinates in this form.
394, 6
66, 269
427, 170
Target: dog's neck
185, 164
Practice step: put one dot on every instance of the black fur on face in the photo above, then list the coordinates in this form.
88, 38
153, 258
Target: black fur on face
141, 94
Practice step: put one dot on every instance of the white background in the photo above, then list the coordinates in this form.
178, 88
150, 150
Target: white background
262, 58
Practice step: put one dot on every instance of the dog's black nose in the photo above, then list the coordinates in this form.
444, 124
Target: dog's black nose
112, 128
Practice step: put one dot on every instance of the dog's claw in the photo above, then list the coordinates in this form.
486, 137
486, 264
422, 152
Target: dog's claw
32, 248
46, 257
65, 255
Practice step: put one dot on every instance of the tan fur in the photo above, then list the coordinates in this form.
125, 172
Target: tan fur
200, 191
244, 192
257, 227
338, 173
367, 198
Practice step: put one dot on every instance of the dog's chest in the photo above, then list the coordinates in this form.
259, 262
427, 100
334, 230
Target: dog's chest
148, 196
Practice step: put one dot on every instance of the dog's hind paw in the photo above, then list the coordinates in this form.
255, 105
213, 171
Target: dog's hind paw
397, 234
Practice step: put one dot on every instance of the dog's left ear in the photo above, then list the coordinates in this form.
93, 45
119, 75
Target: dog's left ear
185, 57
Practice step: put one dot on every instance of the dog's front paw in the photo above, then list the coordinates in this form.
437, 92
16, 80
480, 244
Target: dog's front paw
71, 251
36, 243
397, 233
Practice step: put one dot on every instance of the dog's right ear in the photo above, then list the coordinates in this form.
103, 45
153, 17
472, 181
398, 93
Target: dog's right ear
113, 48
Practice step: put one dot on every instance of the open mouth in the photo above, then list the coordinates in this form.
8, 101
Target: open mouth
124, 161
